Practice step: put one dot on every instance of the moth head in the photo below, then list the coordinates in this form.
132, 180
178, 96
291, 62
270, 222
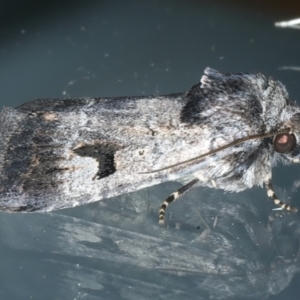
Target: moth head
288, 144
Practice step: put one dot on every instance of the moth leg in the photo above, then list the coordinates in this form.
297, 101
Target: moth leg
271, 194
295, 160
174, 196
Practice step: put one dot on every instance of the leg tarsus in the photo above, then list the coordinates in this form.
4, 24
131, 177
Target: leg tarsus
271, 194
174, 196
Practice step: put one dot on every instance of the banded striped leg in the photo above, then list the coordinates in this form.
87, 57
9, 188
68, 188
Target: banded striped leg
271, 194
174, 196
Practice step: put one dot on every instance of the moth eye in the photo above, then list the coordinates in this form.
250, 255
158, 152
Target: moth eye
284, 142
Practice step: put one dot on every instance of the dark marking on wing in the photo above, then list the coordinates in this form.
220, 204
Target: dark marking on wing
217, 89
17, 159
254, 107
30, 161
47, 105
26, 208
67, 105
190, 113
104, 153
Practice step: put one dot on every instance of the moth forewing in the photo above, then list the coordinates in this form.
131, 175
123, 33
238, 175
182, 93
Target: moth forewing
78, 151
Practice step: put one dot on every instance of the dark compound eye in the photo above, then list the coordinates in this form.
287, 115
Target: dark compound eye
284, 142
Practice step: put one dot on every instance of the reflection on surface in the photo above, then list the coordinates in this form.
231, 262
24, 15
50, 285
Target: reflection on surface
216, 246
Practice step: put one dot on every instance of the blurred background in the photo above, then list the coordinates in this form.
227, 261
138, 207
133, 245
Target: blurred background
70, 49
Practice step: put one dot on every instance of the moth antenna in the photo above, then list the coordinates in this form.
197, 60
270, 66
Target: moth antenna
236, 142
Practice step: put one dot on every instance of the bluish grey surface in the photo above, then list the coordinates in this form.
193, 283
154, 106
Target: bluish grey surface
228, 246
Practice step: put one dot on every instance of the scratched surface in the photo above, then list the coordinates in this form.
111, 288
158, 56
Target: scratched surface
222, 246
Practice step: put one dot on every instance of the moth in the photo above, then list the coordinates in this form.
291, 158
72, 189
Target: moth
226, 132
